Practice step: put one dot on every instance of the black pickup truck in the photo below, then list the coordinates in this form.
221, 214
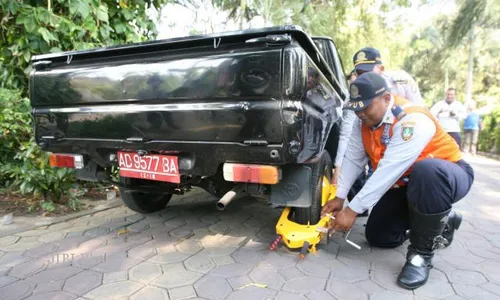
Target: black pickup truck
253, 112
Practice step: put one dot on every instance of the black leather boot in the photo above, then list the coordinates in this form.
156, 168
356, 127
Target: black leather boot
425, 237
454, 221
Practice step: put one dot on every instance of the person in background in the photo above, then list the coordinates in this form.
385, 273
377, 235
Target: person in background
472, 125
449, 112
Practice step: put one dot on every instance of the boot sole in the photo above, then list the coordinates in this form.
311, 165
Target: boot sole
411, 287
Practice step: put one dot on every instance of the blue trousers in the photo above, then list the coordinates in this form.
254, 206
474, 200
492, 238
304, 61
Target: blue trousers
434, 185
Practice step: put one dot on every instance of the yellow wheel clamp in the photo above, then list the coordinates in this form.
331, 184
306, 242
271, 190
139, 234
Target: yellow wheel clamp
306, 237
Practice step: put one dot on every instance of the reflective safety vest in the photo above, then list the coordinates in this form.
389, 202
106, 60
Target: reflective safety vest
375, 141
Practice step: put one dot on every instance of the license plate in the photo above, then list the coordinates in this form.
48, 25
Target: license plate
150, 167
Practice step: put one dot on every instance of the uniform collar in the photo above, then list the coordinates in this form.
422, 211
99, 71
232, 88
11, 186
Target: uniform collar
389, 116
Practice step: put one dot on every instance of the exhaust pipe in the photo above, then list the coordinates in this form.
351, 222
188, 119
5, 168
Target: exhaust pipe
228, 197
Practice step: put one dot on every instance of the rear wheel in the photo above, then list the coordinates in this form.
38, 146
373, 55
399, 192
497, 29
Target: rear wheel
311, 215
144, 202
137, 195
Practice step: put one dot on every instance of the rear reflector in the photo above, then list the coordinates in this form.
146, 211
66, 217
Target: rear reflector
251, 173
66, 161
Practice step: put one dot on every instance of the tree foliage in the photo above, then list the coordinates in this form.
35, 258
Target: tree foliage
30, 27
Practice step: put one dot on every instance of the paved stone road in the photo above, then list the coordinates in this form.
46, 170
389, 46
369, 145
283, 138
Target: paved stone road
192, 251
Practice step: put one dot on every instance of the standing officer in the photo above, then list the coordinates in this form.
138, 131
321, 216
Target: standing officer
418, 174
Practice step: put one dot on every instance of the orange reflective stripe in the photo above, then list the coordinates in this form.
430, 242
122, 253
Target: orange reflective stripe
442, 145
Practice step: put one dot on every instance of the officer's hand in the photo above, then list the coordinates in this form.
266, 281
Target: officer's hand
344, 220
332, 206
335, 177
452, 113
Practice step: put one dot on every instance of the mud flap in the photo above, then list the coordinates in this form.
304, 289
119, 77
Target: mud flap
294, 187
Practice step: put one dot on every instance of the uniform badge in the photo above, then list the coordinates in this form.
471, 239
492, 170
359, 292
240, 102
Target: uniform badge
354, 91
361, 56
408, 130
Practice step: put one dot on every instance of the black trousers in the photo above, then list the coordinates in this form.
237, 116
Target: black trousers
434, 185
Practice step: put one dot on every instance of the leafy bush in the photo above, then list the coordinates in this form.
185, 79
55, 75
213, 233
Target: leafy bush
489, 138
26, 167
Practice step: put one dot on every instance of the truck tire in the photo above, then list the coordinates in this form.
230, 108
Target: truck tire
144, 202
311, 215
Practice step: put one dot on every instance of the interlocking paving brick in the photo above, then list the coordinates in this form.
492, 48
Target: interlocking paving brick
321, 295
289, 296
54, 274
467, 277
182, 233
346, 291
189, 246
491, 287
28, 268
7, 240
223, 260
184, 292
145, 272
115, 263
199, 263
349, 273
231, 270
248, 256
304, 285
169, 257
313, 268
83, 282
52, 237
58, 295
388, 281
218, 251
115, 277
369, 287
45, 287
151, 293
17, 290
176, 278
11, 259
252, 293
239, 282
143, 252
473, 292
269, 277
209, 219
277, 261
96, 231
210, 287
116, 290
391, 295
21, 245
220, 227
41, 250
290, 273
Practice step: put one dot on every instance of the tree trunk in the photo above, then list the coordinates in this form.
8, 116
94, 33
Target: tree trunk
468, 84
243, 8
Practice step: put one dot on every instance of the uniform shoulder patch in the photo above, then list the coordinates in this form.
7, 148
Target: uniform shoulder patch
408, 128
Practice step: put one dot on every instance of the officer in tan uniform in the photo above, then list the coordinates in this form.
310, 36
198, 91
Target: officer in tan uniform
418, 174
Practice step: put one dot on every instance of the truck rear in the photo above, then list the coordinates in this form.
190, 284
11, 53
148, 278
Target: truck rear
239, 112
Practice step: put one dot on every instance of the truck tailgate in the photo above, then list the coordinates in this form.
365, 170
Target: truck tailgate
229, 95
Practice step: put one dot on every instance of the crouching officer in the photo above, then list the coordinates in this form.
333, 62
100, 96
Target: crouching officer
418, 174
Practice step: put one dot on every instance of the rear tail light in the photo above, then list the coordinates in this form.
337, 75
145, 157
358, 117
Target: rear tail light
251, 173
66, 161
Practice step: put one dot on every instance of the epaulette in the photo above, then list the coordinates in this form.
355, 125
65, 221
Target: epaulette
398, 112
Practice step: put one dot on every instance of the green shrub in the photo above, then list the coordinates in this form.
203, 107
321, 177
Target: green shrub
25, 167
489, 138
